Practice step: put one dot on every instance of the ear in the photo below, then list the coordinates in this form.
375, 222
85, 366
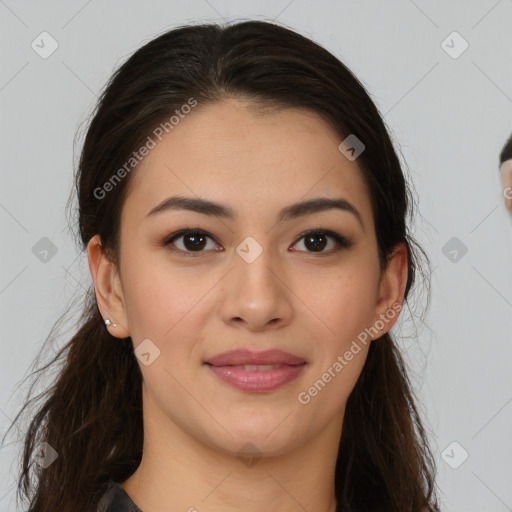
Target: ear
109, 292
392, 287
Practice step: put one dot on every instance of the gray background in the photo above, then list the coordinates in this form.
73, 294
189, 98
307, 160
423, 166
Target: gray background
449, 117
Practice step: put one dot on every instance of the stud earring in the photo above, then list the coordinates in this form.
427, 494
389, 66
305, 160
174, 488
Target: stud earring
382, 329
108, 322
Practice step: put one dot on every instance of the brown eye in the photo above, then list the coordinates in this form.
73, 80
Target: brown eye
194, 241
316, 241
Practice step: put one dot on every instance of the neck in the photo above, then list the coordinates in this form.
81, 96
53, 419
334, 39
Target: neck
180, 472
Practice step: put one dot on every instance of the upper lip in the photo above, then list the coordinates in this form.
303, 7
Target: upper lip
244, 356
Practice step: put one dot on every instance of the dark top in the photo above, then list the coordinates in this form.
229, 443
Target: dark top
115, 499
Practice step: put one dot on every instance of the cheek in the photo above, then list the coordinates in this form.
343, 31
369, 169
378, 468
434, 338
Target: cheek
344, 305
346, 308
343, 308
161, 300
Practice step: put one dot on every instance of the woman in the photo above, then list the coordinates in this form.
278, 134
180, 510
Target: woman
244, 213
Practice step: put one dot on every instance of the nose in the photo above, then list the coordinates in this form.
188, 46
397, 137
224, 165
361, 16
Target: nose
256, 295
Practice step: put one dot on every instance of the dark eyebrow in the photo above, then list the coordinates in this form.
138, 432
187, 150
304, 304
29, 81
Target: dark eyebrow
293, 211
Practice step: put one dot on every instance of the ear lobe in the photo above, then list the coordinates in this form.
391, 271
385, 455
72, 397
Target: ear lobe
108, 289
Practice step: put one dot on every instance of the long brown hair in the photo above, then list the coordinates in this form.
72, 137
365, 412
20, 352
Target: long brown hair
92, 415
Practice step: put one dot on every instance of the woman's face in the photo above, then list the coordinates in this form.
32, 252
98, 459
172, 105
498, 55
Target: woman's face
254, 280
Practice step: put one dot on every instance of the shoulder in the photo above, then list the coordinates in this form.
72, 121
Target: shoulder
115, 499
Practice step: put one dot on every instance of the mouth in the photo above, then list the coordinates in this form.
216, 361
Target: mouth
242, 357
256, 371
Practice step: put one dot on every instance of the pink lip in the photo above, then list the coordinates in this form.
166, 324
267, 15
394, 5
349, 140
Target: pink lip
257, 380
244, 356
228, 367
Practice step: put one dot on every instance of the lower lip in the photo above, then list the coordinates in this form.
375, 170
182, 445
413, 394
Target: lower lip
257, 380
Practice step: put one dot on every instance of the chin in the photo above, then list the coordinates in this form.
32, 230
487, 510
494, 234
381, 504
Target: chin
263, 439
249, 449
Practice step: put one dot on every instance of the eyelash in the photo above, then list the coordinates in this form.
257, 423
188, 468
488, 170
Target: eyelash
341, 242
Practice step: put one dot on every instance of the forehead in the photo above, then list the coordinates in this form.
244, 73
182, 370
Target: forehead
248, 159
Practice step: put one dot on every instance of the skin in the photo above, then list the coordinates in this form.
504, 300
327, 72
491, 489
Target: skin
506, 180
192, 308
